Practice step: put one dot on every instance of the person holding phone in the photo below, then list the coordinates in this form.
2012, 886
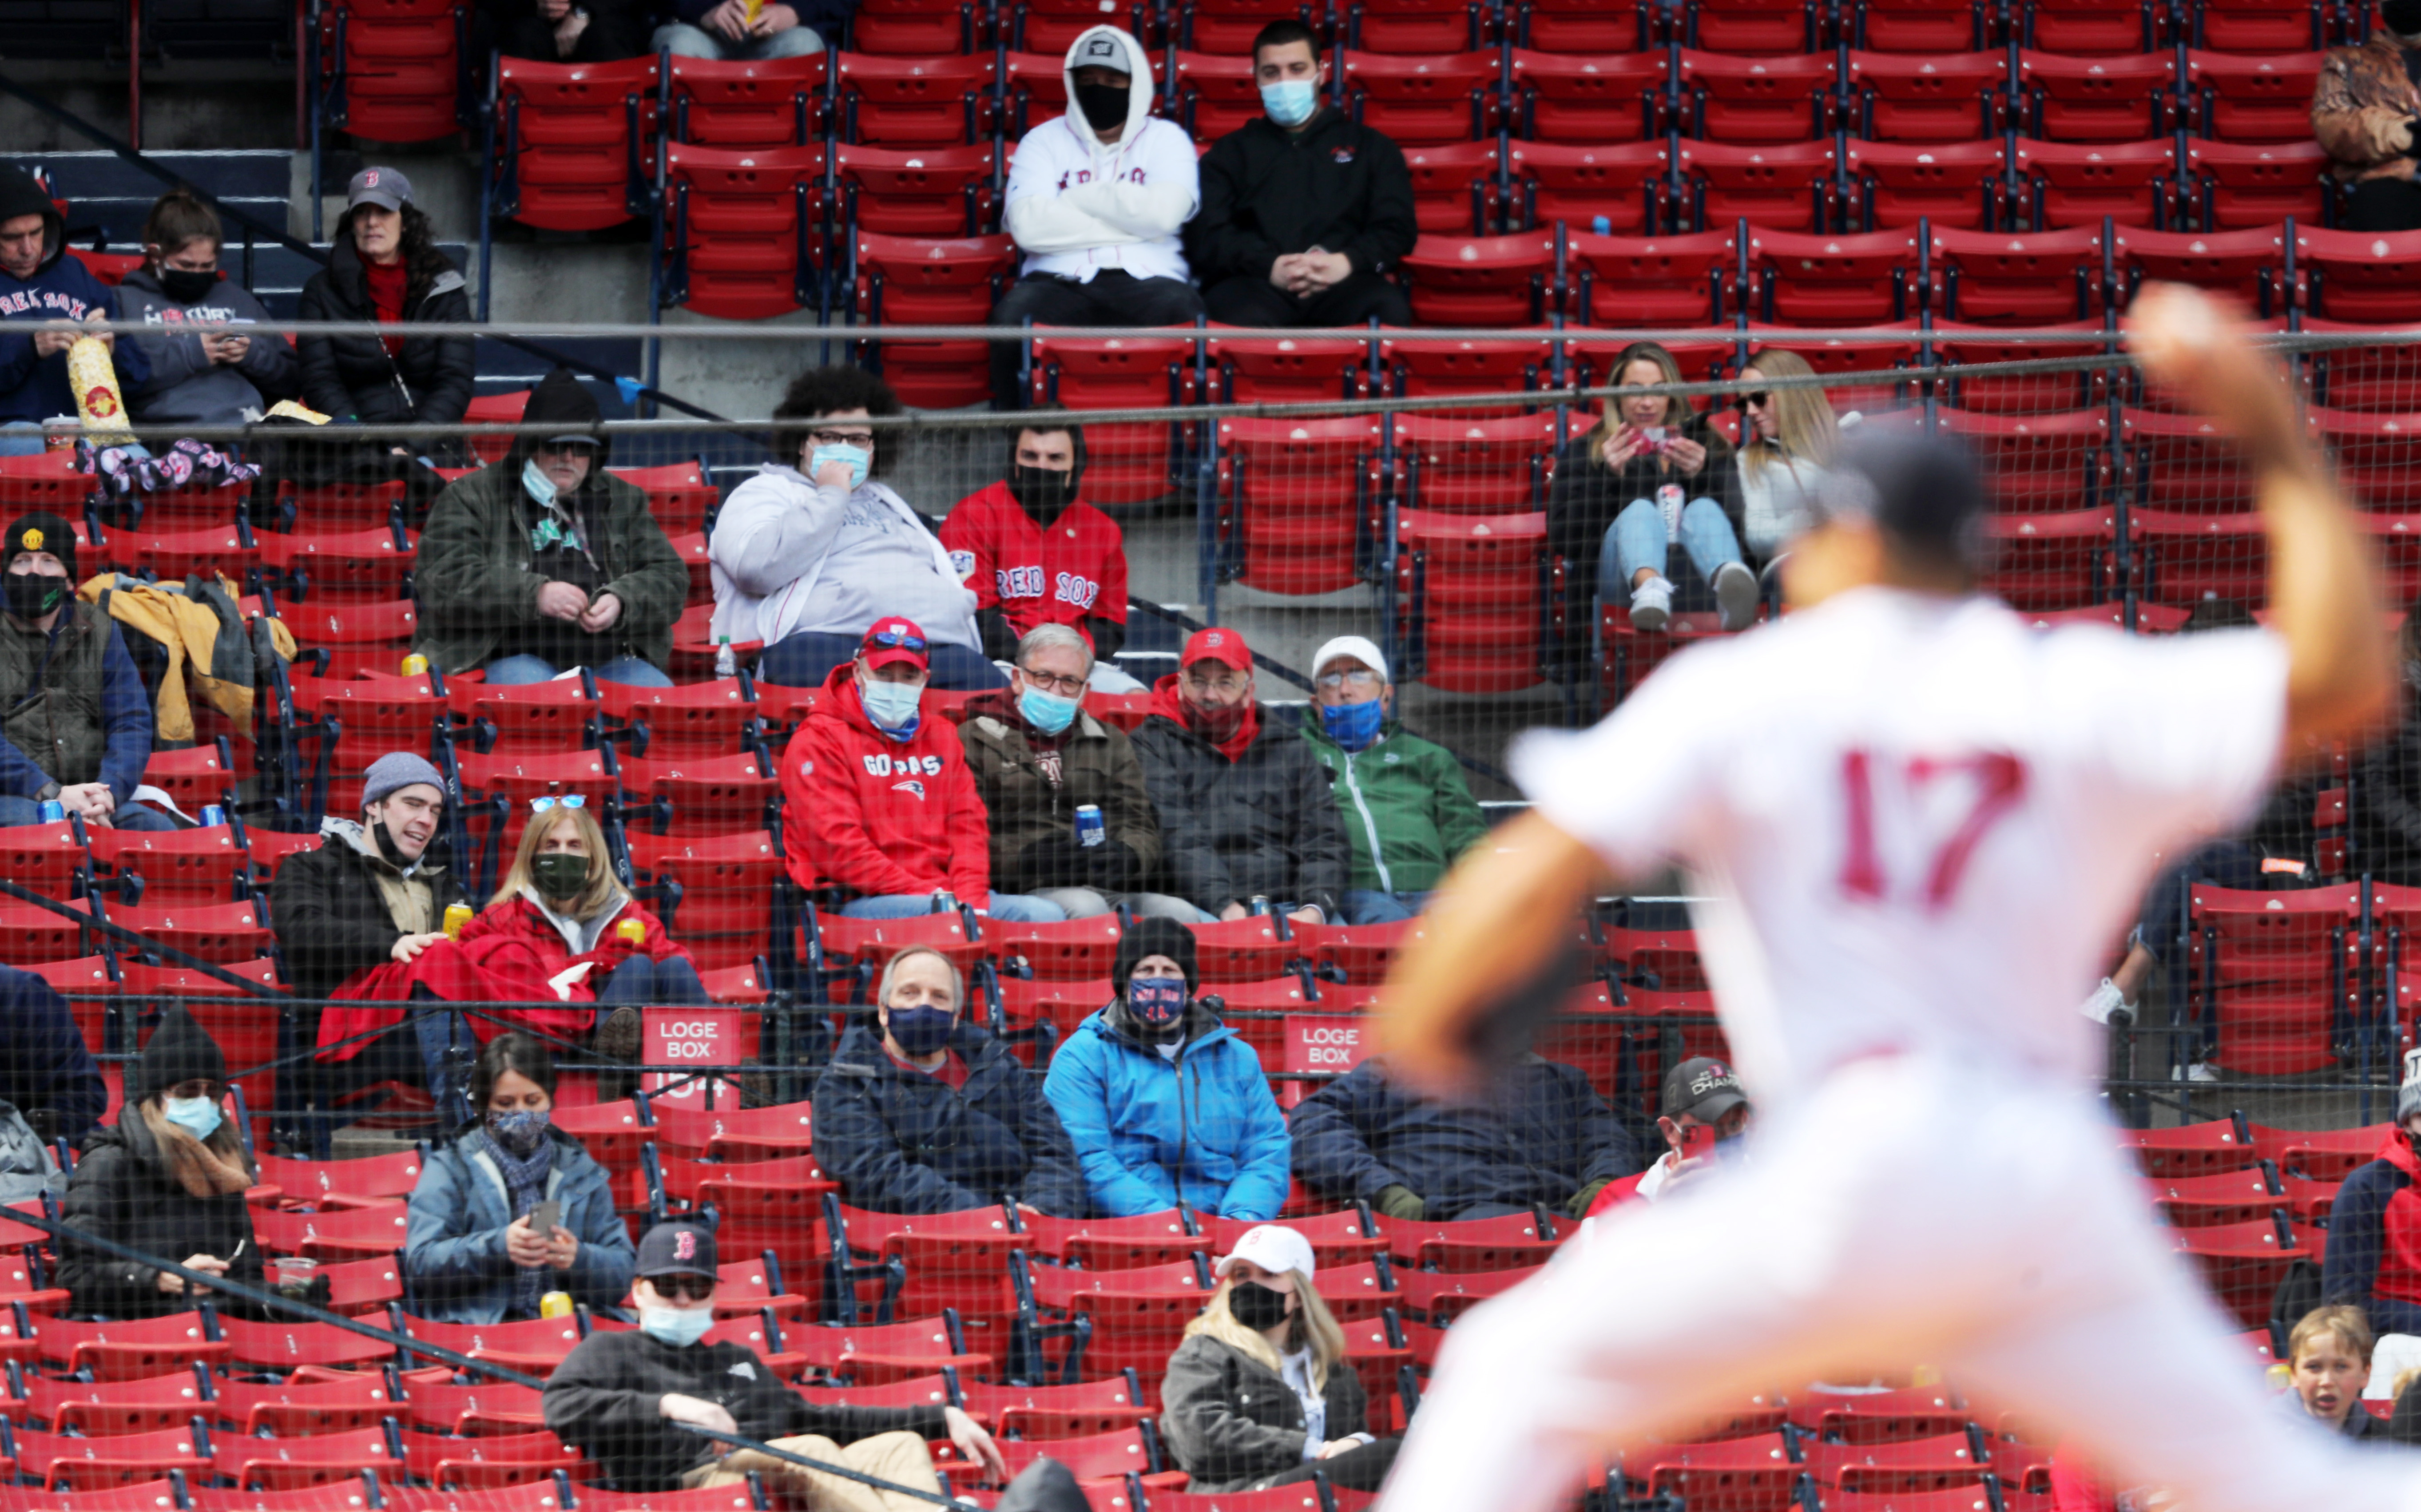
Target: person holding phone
511, 1208
1704, 1110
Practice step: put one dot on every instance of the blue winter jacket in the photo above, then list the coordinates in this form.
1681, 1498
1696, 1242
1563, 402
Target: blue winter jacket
62, 289
1138, 1120
45, 1062
453, 1259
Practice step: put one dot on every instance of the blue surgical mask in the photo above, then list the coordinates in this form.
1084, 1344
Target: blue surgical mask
858, 459
1157, 1001
892, 706
679, 1327
197, 1116
1290, 102
921, 1031
1046, 712
535, 483
1352, 726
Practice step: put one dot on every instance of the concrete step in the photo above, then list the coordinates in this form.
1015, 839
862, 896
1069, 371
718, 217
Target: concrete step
103, 189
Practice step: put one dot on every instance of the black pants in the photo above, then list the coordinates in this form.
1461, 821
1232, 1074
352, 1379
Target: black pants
1353, 302
2386, 205
1359, 1469
614, 31
1115, 297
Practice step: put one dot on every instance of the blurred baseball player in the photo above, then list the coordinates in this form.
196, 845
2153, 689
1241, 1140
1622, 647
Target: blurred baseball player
1919, 823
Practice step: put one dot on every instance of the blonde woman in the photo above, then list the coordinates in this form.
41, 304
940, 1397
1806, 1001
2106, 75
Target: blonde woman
1603, 512
1787, 437
1259, 1394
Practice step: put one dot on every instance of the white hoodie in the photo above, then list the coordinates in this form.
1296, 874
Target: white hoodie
1077, 205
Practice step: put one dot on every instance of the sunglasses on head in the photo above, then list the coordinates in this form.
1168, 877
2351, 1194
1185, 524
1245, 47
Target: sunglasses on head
897, 637
539, 805
1758, 397
683, 1289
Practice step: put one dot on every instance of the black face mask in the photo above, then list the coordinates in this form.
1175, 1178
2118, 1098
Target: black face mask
186, 286
1255, 1306
1042, 492
388, 849
1104, 104
32, 595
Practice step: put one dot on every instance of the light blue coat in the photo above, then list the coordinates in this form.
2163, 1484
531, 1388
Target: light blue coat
453, 1259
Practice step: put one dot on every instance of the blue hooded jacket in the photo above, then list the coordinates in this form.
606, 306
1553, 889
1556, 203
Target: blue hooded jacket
454, 1258
62, 289
1137, 1119
45, 1062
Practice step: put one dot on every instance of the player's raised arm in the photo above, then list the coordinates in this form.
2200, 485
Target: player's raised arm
1506, 908
2324, 598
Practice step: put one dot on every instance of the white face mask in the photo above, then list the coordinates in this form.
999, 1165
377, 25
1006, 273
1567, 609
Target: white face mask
197, 1116
679, 1327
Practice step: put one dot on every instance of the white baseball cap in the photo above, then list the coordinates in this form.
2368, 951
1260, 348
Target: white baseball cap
1356, 647
1270, 1247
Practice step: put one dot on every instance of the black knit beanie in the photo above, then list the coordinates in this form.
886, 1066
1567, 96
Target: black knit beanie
180, 1051
1153, 937
39, 531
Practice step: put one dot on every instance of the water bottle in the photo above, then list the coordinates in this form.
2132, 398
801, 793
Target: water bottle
725, 663
1668, 504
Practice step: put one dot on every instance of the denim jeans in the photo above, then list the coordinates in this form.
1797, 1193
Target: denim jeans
1637, 539
1015, 907
1370, 906
805, 659
514, 671
16, 812
448, 1050
684, 40
641, 982
22, 438
1087, 903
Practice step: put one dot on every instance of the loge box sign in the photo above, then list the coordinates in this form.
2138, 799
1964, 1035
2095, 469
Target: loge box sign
690, 1037
1331, 1042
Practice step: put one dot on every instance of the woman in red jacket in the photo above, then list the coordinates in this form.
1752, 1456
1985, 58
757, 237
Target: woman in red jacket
562, 920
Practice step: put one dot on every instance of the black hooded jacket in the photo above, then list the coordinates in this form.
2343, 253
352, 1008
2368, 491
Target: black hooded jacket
428, 382
1267, 191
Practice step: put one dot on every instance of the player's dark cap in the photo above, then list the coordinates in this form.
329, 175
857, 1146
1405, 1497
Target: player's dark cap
678, 1250
1924, 492
1703, 1087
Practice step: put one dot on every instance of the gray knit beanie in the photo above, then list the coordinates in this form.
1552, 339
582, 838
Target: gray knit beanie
397, 770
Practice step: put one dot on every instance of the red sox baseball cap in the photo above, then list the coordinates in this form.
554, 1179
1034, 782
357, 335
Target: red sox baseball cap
1704, 1087
895, 638
678, 1250
1217, 643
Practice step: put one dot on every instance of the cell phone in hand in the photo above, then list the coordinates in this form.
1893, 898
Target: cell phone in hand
545, 1217
1697, 1141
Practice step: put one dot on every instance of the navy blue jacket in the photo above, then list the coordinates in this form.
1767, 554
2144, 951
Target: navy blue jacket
1543, 1136
43, 1060
899, 1141
62, 289
125, 723
2358, 1241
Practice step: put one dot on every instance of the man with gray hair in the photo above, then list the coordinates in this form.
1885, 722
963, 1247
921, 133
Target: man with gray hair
922, 1110
1040, 760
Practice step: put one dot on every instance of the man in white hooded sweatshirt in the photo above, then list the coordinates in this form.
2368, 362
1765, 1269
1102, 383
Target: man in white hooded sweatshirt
1096, 200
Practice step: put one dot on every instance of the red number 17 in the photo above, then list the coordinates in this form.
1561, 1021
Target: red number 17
2000, 784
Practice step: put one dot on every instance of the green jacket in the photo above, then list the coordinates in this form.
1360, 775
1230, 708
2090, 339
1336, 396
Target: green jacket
474, 575
1406, 811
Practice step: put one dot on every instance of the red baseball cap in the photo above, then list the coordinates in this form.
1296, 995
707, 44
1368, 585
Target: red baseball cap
893, 638
1217, 645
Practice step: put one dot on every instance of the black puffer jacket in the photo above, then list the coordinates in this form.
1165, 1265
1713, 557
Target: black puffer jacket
121, 1190
1232, 1421
330, 918
429, 382
1264, 824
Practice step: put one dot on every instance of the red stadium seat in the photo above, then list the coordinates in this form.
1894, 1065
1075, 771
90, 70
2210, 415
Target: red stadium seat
1128, 464
2371, 278
1834, 280
2070, 184
2221, 1197
919, 101
1626, 187
1299, 496
1227, 26
1595, 98
1454, 187
1046, 1412
288, 1346
1940, 98
574, 141
1667, 280
1757, 102
1504, 1243
1961, 346
2268, 973
393, 68
2038, 463
1480, 281
1422, 368
763, 102
913, 28
1919, 25
1288, 369
1418, 26
339, 1234
494, 409
1423, 101
1994, 278
370, 1178
2243, 1263
2092, 28
113, 1409
220, 933
354, 566
1863, 1417
1938, 1463
2063, 560
2265, 100
2258, 26
127, 1350
1471, 591
1751, 1475
2233, 186
1441, 1296
2098, 99
1758, 28
2250, 265
1471, 464
943, 191
742, 228
1052, 27
882, 1353
907, 281
1792, 187
218, 551
1214, 95
1581, 26
533, 1346
57, 1462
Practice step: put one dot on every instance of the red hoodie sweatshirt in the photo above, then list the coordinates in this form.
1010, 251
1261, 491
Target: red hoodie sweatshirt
876, 814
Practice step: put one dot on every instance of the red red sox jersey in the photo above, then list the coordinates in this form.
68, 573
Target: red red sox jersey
1075, 571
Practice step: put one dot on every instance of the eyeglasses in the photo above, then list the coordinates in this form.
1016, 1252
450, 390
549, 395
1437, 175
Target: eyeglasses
1359, 678
841, 438
1233, 683
683, 1289
1064, 687
900, 638
539, 805
1758, 397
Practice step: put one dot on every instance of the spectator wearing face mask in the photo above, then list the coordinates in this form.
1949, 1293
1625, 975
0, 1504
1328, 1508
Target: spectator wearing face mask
2366, 110
1163, 1103
1407, 813
626, 1398
1244, 807
922, 1110
1036, 554
199, 378
470, 1251
1699, 1094
1096, 200
880, 801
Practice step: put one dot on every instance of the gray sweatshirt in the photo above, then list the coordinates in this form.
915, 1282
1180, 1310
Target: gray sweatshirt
791, 556
185, 386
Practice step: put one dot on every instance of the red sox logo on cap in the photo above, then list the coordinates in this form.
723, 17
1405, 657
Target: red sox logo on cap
369, 179
685, 1244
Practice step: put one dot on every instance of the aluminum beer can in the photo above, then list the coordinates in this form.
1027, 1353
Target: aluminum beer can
1668, 504
415, 665
456, 916
1260, 903
946, 901
53, 812
1090, 832
631, 932
213, 815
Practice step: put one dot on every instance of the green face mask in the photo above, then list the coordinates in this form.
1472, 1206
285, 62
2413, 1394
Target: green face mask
559, 873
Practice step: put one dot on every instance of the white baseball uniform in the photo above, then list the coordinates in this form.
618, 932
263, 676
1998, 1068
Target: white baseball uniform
1920, 823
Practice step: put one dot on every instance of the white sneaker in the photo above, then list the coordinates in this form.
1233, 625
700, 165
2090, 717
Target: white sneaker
1736, 595
1651, 603
2106, 1007
2202, 1071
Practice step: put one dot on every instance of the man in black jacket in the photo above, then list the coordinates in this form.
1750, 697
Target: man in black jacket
629, 1400
1245, 809
1302, 209
46, 1069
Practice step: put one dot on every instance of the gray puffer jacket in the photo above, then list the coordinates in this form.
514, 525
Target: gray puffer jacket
1233, 1423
